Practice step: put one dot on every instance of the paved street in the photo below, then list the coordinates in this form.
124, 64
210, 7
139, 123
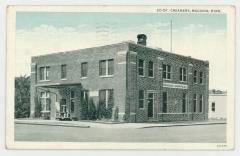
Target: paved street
197, 134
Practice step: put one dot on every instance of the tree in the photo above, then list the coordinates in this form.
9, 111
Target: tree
22, 97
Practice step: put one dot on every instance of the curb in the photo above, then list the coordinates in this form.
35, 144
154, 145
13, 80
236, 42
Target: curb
175, 125
52, 124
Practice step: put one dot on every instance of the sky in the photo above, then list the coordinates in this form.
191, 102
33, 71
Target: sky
201, 35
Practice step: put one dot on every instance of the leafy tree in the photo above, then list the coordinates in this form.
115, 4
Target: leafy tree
22, 97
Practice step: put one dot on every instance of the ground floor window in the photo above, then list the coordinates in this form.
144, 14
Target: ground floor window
72, 100
141, 99
165, 102
194, 103
200, 103
85, 95
213, 106
106, 97
45, 101
184, 102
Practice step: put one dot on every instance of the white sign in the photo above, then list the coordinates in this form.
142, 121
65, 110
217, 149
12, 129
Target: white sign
93, 93
175, 85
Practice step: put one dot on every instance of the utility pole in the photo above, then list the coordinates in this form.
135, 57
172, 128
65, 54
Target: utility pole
171, 36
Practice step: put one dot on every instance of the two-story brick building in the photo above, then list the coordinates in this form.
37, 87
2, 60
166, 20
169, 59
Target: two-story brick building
131, 82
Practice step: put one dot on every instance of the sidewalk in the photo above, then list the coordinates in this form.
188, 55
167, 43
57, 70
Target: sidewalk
98, 124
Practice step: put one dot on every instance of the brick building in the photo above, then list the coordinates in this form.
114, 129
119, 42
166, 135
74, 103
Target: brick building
126, 81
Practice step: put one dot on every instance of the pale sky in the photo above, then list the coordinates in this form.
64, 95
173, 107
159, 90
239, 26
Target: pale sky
201, 36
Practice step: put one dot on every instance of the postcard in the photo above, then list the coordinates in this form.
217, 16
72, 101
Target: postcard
120, 77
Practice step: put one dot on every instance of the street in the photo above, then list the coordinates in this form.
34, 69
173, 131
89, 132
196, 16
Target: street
215, 133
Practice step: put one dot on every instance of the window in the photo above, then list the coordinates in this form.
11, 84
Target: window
63, 71
184, 101
150, 69
106, 97
141, 67
45, 101
213, 107
44, 73
183, 74
166, 71
85, 95
164, 102
195, 76
200, 103
72, 100
141, 99
110, 67
106, 67
194, 103
201, 77
84, 69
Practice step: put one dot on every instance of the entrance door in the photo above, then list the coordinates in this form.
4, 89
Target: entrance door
150, 104
63, 108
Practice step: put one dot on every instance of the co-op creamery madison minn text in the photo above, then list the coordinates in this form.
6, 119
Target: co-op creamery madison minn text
123, 82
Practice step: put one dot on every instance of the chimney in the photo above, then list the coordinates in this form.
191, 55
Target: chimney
142, 39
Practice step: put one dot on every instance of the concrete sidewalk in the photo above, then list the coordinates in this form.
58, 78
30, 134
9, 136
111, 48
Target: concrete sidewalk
99, 124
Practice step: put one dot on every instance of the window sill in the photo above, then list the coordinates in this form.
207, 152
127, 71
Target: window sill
106, 76
63, 79
141, 75
44, 80
151, 77
83, 77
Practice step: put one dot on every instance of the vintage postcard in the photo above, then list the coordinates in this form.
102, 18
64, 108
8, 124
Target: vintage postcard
120, 77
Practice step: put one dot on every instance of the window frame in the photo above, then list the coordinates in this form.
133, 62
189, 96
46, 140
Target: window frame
72, 101
165, 107
107, 93
141, 68
46, 73
194, 103
200, 77
143, 99
183, 74
82, 71
213, 106
62, 67
106, 68
45, 97
151, 69
200, 103
184, 103
195, 76
167, 72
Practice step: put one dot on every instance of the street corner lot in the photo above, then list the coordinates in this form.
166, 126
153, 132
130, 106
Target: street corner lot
211, 133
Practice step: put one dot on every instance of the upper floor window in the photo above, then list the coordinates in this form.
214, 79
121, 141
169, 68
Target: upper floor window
195, 76
106, 67
44, 73
141, 67
166, 71
84, 69
141, 99
63, 71
201, 77
150, 69
183, 74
